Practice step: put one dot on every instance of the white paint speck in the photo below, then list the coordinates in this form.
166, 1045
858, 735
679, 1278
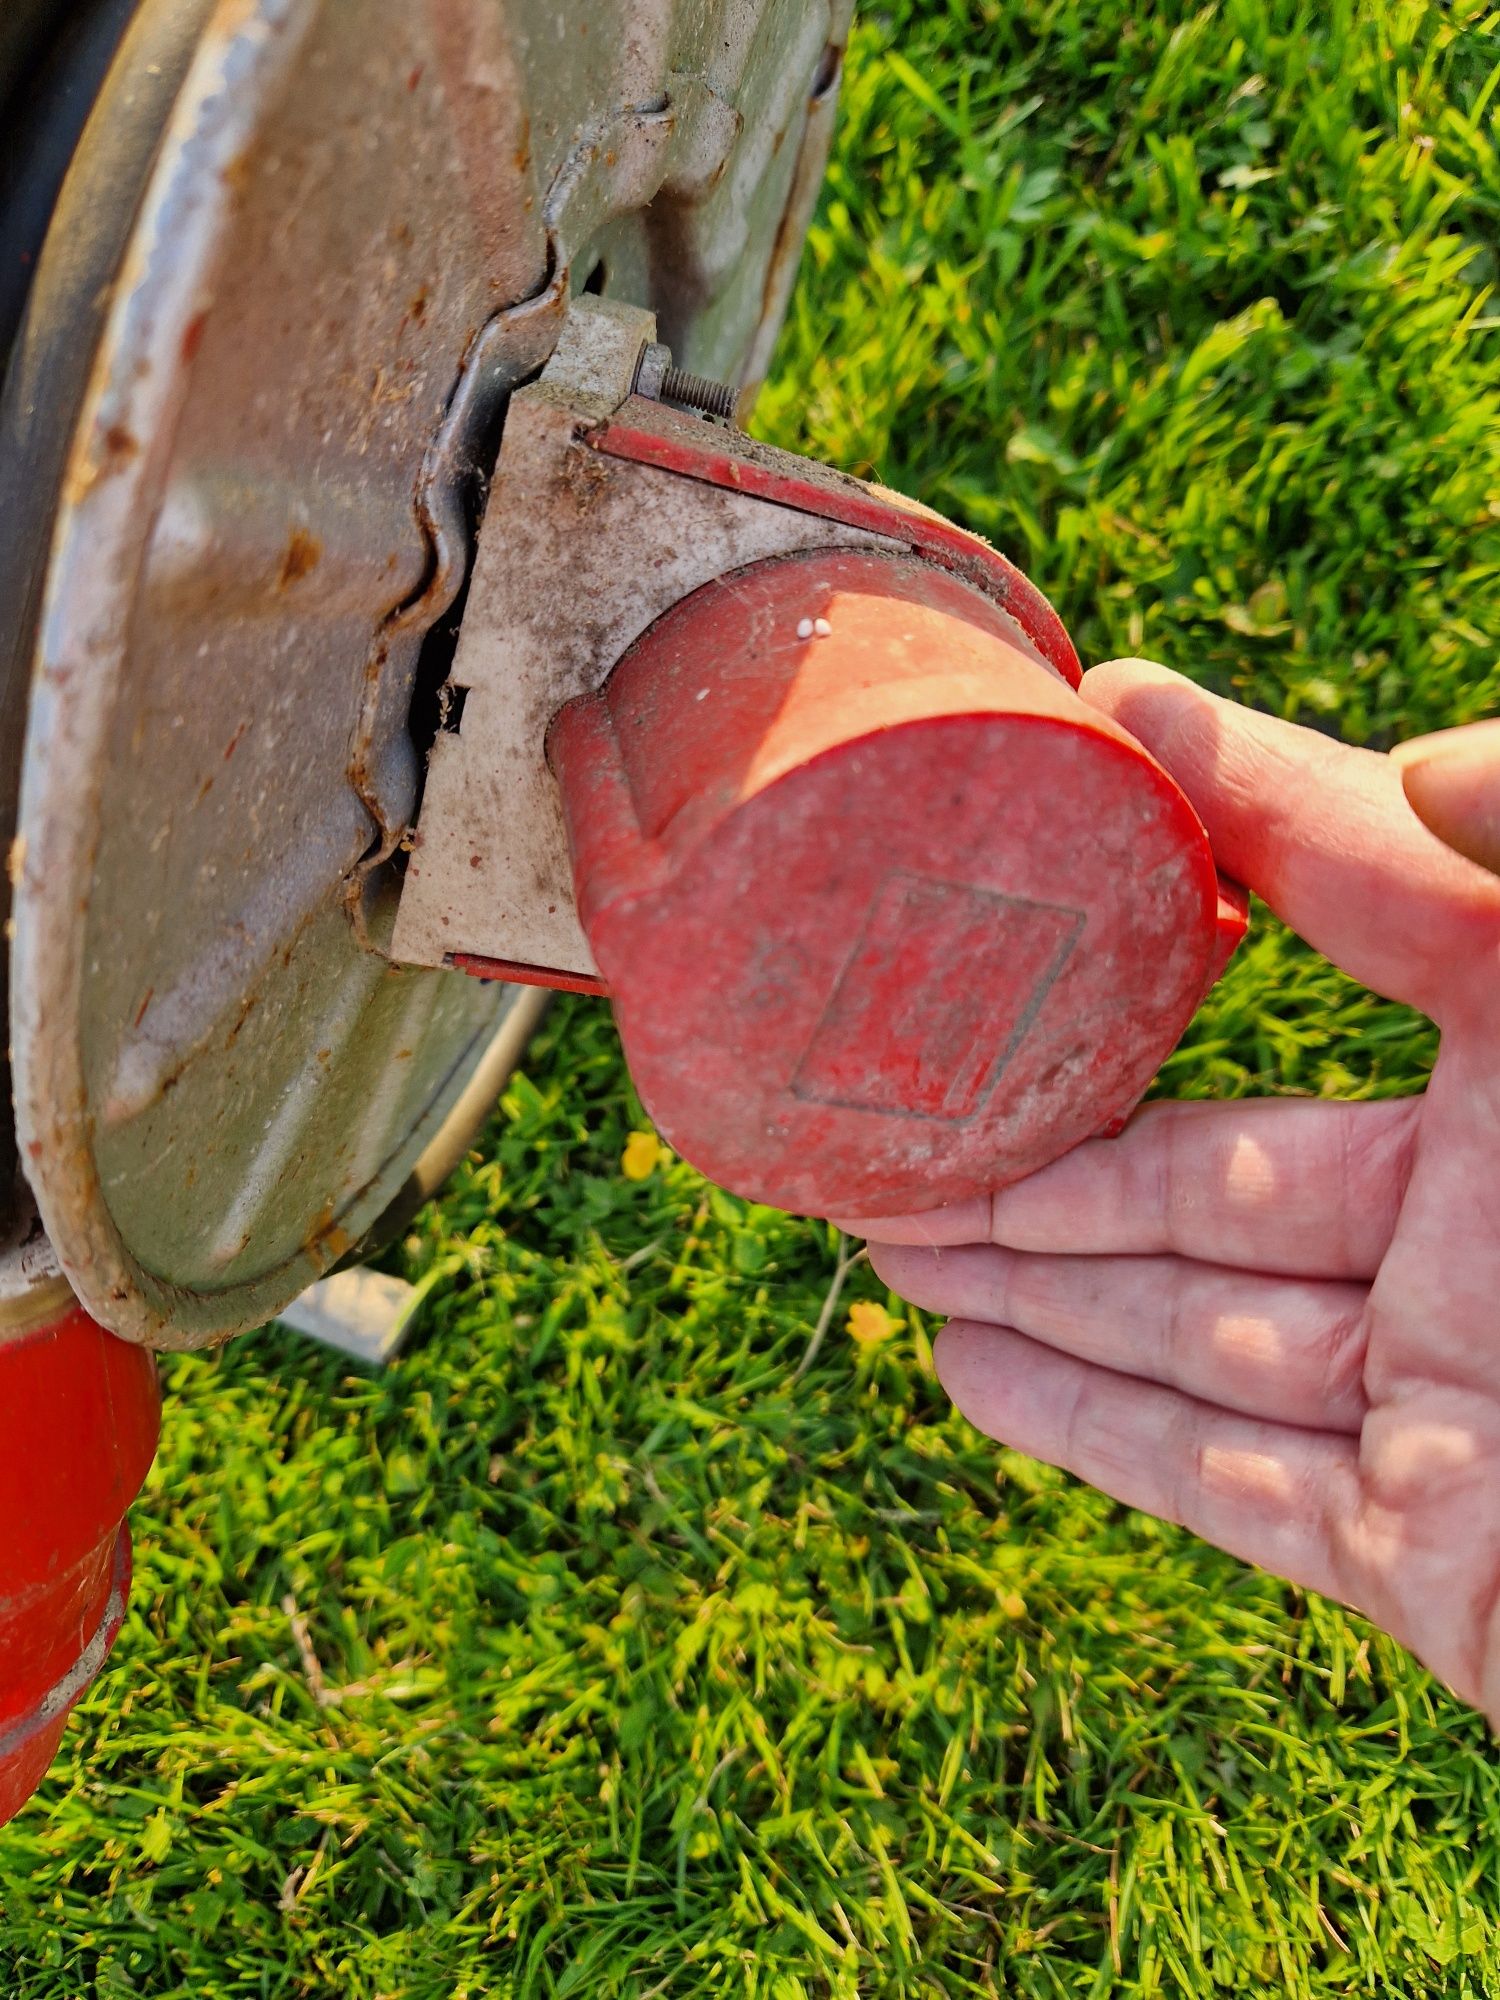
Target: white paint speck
701, 695
805, 629
822, 627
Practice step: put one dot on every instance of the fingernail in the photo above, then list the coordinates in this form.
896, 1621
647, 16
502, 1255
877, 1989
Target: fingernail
1452, 784
1470, 739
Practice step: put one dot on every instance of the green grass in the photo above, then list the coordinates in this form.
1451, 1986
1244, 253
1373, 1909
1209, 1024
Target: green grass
649, 1668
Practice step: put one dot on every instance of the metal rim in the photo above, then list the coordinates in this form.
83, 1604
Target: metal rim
45, 379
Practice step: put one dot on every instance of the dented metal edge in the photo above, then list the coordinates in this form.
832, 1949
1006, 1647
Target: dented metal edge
509, 350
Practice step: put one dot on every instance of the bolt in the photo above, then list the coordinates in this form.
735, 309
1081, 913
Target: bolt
714, 399
657, 378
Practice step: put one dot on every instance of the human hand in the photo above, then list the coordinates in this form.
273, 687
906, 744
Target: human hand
1276, 1322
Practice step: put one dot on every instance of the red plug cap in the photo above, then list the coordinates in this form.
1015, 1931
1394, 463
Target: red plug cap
889, 914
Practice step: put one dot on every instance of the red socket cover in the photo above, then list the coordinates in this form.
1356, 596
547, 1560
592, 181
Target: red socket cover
889, 914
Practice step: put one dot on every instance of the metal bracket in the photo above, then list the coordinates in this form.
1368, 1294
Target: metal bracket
607, 509
579, 553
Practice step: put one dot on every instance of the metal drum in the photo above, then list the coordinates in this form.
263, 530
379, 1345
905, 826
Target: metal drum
303, 253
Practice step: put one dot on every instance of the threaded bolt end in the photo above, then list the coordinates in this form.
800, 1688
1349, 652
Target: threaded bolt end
714, 399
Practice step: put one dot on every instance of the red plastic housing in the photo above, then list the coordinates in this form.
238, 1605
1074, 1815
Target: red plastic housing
79, 1417
888, 913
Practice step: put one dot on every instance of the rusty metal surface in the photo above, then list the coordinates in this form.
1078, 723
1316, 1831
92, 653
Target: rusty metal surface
801, 200
589, 552
360, 233
45, 381
748, 88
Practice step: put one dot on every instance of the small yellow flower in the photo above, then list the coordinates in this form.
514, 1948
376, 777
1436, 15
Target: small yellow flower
869, 1324
643, 1154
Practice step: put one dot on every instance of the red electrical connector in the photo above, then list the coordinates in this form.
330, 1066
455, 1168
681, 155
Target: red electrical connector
889, 915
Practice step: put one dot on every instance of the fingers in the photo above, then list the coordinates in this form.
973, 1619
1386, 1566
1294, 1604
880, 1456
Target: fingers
1292, 1186
1323, 832
1268, 1493
1452, 783
1285, 1348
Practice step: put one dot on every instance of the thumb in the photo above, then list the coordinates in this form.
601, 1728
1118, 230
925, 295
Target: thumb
1452, 783
1323, 832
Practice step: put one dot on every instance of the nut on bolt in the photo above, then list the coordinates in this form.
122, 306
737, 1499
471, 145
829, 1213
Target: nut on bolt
657, 378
